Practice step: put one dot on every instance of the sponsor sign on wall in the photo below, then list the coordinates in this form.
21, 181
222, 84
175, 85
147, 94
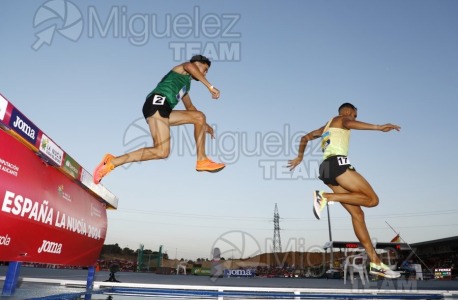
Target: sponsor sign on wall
45, 216
239, 272
51, 150
18, 125
23, 126
71, 167
3, 107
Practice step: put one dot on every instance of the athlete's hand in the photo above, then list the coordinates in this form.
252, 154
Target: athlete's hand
215, 92
389, 127
293, 163
209, 130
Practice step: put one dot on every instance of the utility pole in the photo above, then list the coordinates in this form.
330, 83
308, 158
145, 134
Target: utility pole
277, 239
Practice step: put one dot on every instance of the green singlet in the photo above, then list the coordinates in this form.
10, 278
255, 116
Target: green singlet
173, 86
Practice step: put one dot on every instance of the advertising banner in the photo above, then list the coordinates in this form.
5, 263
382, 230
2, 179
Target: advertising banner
24, 127
239, 273
45, 216
3, 107
18, 125
51, 151
201, 271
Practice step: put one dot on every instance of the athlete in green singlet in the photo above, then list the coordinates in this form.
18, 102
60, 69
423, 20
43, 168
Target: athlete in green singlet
159, 114
349, 187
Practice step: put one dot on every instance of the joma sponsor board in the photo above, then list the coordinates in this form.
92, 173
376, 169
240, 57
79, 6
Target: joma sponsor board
24, 127
239, 273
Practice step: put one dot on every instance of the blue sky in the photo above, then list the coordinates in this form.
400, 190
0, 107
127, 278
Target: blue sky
283, 69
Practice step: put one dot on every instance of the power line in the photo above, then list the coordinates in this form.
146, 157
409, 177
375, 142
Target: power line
266, 219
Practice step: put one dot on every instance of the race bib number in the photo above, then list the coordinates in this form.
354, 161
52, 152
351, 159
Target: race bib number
343, 161
158, 100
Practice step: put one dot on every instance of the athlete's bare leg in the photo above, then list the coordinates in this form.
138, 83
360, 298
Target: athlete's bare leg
358, 190
160, 132
180, 117
359, 224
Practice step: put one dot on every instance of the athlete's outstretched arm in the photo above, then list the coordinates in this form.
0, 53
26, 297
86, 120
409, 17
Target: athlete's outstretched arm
303, 144
197, 74
357, 125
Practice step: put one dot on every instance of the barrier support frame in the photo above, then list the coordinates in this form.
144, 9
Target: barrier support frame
11, 278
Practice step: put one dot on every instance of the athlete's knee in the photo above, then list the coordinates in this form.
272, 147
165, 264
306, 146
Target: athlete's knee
163, 152
200, 118
157, 152
373, 201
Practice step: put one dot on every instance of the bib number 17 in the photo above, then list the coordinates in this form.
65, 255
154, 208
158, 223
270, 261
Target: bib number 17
343, 161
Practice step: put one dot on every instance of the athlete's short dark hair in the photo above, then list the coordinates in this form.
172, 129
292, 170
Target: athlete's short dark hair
347, 105
202, 59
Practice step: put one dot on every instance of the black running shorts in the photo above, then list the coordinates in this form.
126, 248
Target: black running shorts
154, 103
332, 167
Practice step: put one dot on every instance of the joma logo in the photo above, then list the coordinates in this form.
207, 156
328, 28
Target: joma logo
50, 247
24, 127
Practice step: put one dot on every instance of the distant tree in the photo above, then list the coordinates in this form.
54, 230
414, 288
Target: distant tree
128, 251
111, 249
